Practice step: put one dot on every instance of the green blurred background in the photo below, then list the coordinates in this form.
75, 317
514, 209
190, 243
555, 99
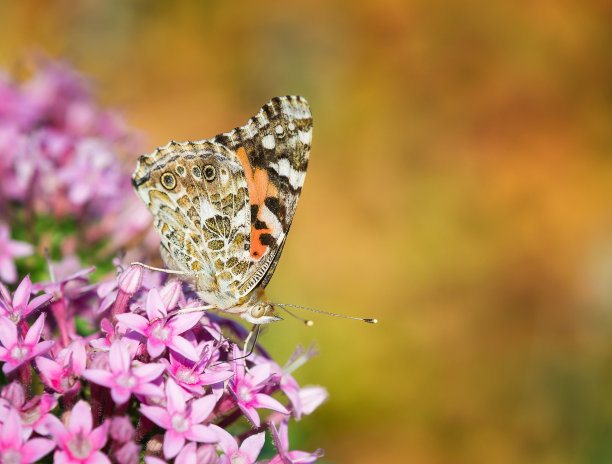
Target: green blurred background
458, 191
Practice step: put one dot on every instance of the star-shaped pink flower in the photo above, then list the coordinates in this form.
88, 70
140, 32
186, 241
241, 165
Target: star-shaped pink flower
247, 453
79, 443
182, 420
14, 446
33, 414
193, 376
122, 378
161, 332
246, 389
16, 350
19, 306
62, 373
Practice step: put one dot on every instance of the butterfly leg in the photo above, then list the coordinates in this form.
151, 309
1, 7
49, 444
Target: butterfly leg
194, 309
159, 269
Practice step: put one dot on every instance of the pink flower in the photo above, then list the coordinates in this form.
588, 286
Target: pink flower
182, 421
13, 450
20, 306
10, 249
246, 454
284, 456
193, 376
246, 389
17, 350
205, 454
122, 378
62, 373
80, 442
311, 397
33, 414
161, 332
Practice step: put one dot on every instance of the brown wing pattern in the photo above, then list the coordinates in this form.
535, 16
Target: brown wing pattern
273, 148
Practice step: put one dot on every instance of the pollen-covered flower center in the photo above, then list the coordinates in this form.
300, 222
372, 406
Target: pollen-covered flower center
10, 456
188, 376
126, 380
180, 423
80, 446
245, 393
19, 353
160, 332
238, 458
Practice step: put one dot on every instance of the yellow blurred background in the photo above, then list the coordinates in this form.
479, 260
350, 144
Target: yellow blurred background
458, 191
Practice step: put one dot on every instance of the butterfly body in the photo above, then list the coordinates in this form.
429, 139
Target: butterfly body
223, 207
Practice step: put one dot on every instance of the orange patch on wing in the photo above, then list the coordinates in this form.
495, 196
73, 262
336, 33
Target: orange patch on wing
258, 184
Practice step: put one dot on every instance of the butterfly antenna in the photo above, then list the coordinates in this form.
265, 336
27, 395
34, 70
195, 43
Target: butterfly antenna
363, 319
307, 322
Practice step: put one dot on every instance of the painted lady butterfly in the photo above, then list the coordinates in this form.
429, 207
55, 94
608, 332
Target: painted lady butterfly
223, 207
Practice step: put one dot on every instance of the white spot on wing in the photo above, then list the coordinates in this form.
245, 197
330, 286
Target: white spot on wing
268, 142
305, 137
279, 129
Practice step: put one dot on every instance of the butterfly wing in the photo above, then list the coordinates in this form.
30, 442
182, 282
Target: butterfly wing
198, 195
273, 148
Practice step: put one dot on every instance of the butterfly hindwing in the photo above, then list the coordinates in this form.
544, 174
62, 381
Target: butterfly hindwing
273, 148
198, 195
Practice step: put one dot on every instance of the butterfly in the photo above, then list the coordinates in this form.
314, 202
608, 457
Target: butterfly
223, 207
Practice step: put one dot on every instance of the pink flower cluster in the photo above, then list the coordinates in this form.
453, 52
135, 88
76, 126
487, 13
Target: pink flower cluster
99, 372
60, 162
151, 383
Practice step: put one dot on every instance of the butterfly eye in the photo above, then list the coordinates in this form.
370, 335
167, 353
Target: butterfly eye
258, 311
209, 172
196, 172
168, 180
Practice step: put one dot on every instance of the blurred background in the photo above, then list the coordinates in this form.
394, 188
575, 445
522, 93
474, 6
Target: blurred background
458, 191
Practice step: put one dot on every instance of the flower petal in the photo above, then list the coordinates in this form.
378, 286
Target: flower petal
157, 415
134, 322
22, 293
11, 430
8, 332
250, 413
202, 433
187, 455
119, 358
252, 445
120, 395
155, 306
34, 331
80, 419
99, 435
183, 322
174, 397
226, 441
182, 346
265, 401
148, 372
202, 407
173, 442
36, 448
99, 376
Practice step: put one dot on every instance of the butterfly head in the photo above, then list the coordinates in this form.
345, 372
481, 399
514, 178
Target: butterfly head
257, 309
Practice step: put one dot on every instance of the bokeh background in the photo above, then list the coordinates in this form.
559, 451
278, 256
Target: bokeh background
459, 191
